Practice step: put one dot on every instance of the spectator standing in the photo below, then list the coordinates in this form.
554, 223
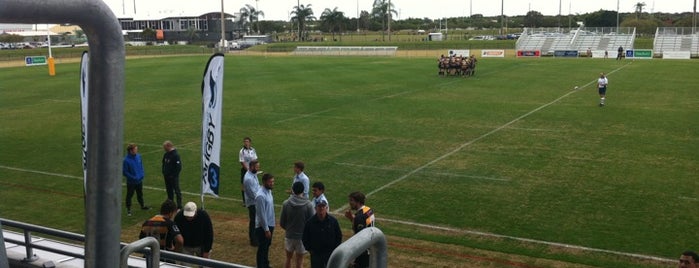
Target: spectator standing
163, 228
134, 173
688, 259
172, 165
321, 235
196, 229
264, 220
251, 185
619, 53
364, 217
246, 154
295, 212
299, 176
318, 191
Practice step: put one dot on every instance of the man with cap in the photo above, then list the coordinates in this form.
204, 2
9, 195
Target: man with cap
321, 235
688, 259
196, 229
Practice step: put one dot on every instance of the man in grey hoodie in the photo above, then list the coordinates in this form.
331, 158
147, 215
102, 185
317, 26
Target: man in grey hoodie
295, 212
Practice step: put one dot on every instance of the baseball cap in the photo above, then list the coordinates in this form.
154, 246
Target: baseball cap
190, 209
321, 203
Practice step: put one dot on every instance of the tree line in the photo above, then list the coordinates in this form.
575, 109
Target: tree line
382, 18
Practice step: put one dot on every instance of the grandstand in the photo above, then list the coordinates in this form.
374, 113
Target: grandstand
548, 40
676, 39
345, 51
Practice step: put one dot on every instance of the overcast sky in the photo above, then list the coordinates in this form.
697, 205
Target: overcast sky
279, 9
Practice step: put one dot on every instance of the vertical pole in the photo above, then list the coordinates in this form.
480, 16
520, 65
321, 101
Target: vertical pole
502, 16
223, 29
617, 16
389, 19
298, 17
358, 15
3, 251
51, 62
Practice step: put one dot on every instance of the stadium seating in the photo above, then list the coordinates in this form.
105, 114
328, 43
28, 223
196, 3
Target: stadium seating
345, 51
671, 39
581, 39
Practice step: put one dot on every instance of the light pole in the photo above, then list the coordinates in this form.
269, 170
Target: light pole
298, 17
617, 16
223, 29
502, 17
389, 20
358, 15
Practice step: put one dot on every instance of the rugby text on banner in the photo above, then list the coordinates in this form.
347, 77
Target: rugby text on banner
212, 100
84, 63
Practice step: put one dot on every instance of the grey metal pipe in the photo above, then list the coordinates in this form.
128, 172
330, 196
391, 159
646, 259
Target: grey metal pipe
106, 107
3, 250
150, 242
370, 238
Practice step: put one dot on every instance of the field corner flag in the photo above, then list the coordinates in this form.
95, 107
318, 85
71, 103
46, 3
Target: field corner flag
212, 100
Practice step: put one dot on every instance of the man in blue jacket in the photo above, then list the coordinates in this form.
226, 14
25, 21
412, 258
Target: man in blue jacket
133, 171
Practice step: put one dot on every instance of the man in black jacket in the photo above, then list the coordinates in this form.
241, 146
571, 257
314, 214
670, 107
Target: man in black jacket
196, 229
321, 235
171, 172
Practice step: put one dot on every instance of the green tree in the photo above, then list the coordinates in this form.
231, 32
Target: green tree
301, 15
250, 17
643, 26
192, 34
333, 19
380, 11
601, 18
148, 34
638, 7
534, 19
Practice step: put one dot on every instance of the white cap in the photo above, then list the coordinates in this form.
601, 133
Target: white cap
190, 209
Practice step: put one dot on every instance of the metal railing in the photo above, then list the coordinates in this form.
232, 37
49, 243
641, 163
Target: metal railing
370, 238
141, 246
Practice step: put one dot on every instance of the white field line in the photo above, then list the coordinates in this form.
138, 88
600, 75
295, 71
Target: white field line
123, 184
436, 173
371, 100
468, 143
339, 211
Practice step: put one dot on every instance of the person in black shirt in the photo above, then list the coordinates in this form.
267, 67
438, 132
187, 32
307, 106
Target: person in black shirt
321, 235
172, 165
197, 230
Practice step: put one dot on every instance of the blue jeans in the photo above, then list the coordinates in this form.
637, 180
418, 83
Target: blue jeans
263, 247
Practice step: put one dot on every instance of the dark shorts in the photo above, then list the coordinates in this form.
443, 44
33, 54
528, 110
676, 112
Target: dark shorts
602, 91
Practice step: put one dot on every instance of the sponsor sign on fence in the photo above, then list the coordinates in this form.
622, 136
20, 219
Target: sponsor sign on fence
677, 55
528, 53
639, 54
493, 53
459, 52
566, 53
34, 60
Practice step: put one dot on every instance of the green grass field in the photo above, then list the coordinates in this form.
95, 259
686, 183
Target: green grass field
513, 151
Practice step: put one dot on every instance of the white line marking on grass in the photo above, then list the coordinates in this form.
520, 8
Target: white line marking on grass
534, 241
436, 173
434, 227
468, 143
689, 198
374, 99
81, 178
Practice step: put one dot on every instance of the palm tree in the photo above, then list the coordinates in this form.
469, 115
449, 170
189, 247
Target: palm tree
333, 18
302, 14
380, 11
249, 13
192, 34
639, 8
